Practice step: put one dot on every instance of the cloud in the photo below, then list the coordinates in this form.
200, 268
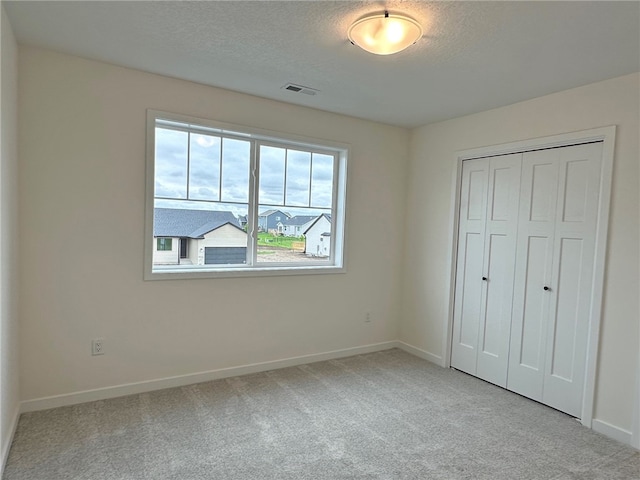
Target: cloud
235, 170
271, 188
309, 177
171, 163
204, 167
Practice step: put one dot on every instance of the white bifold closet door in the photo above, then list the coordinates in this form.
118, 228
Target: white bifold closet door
554, 274
524, 274
485, 269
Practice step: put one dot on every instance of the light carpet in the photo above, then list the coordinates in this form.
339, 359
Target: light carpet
385, 415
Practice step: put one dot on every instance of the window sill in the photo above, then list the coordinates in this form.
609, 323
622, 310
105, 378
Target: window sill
173, 273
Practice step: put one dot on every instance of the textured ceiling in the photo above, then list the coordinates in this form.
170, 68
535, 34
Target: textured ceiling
474, 55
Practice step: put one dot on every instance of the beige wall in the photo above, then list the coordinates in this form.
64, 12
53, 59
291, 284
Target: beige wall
82, 166
427, 260
9, 388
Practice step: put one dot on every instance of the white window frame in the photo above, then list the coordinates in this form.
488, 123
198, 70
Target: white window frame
336, 262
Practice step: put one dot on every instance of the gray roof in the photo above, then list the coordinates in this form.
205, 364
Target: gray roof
298, 220
174, 222
266, 213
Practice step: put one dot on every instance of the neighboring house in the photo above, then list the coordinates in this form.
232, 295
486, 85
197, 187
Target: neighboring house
197, 237
268, 221
243, 221
296, 226
318, 237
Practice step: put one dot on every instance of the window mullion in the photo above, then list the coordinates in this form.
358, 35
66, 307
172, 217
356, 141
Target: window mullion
284, 185
334, 206
188, 164
252, 211
310, 176
220, 175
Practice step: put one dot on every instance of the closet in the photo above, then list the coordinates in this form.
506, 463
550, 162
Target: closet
525, 271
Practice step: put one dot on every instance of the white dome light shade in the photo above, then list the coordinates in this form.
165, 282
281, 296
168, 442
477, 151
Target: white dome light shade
385, 33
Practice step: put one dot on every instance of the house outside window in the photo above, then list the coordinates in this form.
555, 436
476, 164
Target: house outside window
250, 181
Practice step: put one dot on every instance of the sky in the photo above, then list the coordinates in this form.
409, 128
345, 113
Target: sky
215, 172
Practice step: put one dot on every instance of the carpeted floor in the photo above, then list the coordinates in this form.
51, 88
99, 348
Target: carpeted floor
385, 415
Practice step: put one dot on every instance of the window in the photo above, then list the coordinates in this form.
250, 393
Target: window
164, 244
242, 201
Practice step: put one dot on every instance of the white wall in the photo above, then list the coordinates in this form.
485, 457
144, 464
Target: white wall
82, 155
427, 261
9, 388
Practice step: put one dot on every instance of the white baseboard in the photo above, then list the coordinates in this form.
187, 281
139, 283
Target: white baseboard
418, 352
75, 398
611, 431
6, 444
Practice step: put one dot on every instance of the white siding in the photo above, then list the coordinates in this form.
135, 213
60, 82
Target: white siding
317, 244
192, 251
167, 257
296, 230
225, 236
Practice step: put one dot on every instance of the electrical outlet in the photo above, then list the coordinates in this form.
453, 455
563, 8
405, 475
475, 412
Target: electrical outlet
97, 346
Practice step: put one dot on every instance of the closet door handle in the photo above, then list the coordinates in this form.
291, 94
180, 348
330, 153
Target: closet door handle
546, 288
484, 278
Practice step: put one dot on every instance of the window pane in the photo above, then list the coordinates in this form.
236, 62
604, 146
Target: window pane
235, 170
298, 177
164, 244
201, 212
204, 167
171, 163
322, 180
272, 175
302, 236
213, 233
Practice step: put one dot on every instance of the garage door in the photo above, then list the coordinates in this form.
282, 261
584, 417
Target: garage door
225, 255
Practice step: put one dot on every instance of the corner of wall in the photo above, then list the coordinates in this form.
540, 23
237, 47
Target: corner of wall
9, 384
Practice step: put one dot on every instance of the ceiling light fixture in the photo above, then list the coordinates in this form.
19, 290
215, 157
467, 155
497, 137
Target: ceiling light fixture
384, 33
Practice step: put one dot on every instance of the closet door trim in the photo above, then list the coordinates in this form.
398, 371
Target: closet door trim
602, 134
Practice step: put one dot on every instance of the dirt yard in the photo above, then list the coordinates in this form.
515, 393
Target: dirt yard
271, 254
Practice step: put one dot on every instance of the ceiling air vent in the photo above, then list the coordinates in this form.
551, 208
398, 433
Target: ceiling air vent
292, 87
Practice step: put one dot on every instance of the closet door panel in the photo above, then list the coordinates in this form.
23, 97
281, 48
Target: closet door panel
472, 290
566, 326
469, 285
533, 271
572, 280
536, 303
541, 178
500, 243
495, 305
